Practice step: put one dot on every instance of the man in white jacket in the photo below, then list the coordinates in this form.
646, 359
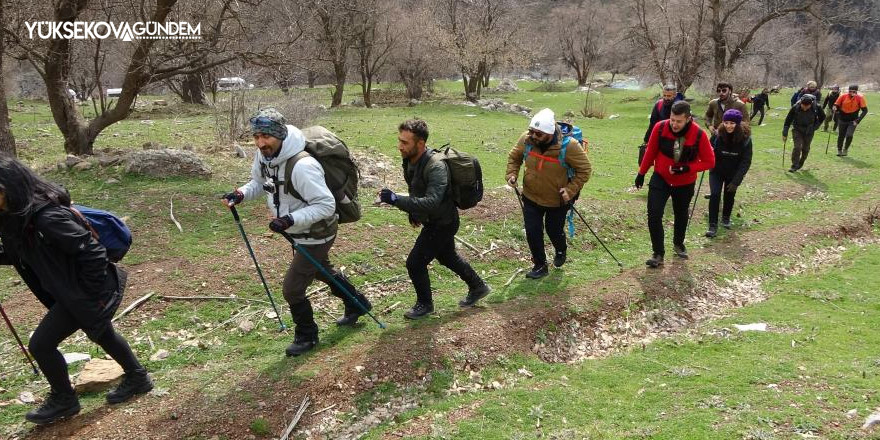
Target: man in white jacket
309, 216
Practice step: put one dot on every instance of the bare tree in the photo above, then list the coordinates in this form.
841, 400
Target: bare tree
374, 45
578, 39
413, 59
7, 140
334, 25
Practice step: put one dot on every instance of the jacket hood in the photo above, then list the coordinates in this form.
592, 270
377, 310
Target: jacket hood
292, 144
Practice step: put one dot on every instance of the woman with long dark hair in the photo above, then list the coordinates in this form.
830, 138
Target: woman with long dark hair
733, 157
68, 271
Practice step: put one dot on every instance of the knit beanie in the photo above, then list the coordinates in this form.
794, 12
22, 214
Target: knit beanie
269, 121
733, 115
544, 121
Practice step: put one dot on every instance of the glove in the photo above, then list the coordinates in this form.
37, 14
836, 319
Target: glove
280, 224
233, 198
731, 187
511, 181
679, 169
640, 180
413, 222
387, 196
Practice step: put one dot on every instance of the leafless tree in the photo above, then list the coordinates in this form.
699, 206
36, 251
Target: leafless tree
334, 26
373, 46
579, 39
7, 140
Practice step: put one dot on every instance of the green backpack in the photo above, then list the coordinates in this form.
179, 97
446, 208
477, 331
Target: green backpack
465, 175
340, 171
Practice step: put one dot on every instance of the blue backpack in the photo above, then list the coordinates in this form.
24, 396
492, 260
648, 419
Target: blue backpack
107, 228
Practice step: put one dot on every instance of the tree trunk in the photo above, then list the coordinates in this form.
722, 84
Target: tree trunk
486, 76
581, 77
7, 140
311, 77
339, 87
192, 90
366, 86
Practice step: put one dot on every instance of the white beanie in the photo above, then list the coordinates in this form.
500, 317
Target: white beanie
544, 121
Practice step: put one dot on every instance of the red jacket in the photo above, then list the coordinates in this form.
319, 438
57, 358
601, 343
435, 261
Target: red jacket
696, 153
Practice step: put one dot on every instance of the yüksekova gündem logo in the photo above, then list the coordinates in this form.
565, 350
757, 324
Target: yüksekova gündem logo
100, 30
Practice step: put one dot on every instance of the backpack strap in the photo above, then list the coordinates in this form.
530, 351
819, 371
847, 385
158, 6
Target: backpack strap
288, 173
569, 172
84, 221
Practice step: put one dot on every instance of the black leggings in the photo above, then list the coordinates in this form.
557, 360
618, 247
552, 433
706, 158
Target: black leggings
658, 193
718, 187
55, 327
536, 219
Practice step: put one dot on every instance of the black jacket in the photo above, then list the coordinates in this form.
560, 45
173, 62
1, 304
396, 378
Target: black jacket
761, 100
830, 100
804, 121
428, 200
658, 115
732, 161
62, 263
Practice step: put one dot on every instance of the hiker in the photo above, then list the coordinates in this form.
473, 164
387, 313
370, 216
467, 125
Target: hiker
430, 205
811, 89
806, 117
829, 104
847, 107
760, 101
733, 157
309, 216
678, 149
552, 180
67, 269
726, 100
659, 112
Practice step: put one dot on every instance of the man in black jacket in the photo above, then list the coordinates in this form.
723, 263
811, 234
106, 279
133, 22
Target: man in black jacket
659, 112
829, 104
430, 205
807, 117
760, 101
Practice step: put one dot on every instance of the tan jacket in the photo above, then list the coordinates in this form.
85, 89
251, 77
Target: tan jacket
714, 113
543, 178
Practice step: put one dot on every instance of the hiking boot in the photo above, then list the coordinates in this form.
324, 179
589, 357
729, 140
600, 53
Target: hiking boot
301, 344
712, 232
655, 261
353, 312
839, 153
57, 406
845, 151
475, 295
725, 221
419, 311
539, 271
559, 259
680, 251
134, 383
792, 169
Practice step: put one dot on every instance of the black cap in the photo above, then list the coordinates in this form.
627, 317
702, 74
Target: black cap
808, 98
854, 87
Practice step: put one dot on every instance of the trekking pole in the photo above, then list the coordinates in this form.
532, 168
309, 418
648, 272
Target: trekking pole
20, 344
694, 207
595, 235
257, 265
828, 142
327, 274
783, 151
519, 198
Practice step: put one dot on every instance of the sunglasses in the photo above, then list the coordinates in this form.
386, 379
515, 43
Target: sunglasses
721, 90
533, 132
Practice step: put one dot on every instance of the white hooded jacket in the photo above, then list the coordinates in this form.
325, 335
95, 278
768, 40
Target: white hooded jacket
308, 181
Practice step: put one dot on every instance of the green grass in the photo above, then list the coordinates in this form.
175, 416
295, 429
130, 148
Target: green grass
601, 398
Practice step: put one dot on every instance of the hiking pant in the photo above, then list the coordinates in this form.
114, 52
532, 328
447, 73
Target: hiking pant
847, 130
827, 120
299, 276
55, 327
801, 148
658, 193
718, 187
437, 241
536, 219
755, 112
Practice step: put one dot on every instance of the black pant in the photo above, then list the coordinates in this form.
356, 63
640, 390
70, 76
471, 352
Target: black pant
801, 148
658, 193
437, 241
847, 130
755, 112
536, 219
55, 327
718, 186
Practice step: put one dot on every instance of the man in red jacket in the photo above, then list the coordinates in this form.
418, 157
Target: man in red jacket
678, 149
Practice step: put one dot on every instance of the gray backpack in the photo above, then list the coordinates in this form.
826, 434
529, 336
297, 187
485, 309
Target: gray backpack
340, 171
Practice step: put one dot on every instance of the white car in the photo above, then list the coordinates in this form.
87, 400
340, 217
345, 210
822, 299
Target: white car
114, 93
233, 83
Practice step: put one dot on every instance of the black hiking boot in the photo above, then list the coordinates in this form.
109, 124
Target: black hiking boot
559, 259
680, 251
839, 153
539, 271
419, 311
475, 294
725, 221
655, 261
712, 232
845, 151
57, 406
134, 383
301, 344
792, 169
353, 312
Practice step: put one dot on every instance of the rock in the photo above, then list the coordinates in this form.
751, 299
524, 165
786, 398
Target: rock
871, 420
246, 326
159, 355
414, 102
98, 375
370, 182
357, 102
160, 102
151, 146
111, 181
107, 161
71, 358
569, 114
166, 163
360, 368
71, 160
757, 327
82, 166
507, 85
16, 282
26, 397
239, 152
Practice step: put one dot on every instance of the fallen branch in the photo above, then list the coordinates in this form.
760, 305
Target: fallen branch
299, 413
492, 247
133, 306
469, 246
325, 409
510, 280
391, 307
176, 223
221, 298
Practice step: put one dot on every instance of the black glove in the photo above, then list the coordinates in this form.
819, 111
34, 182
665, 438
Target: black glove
280, 224
640, 180
731, 187
233, 198
680, 169
387, 196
